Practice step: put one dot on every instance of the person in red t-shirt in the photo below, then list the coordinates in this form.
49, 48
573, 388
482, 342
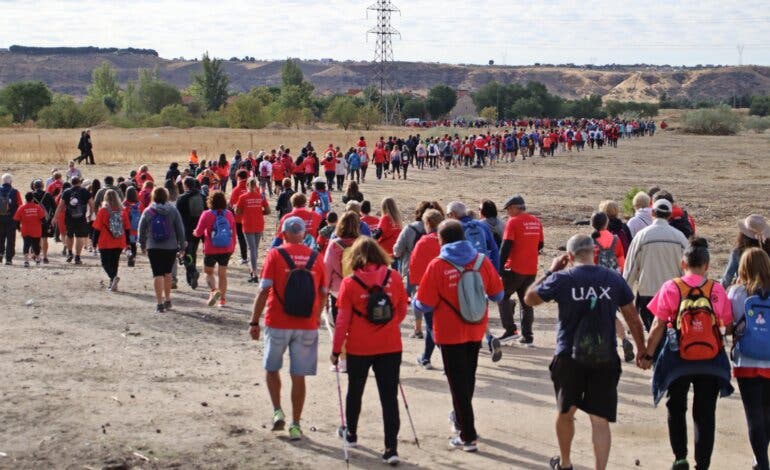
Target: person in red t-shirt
311, 218
522, 242
368, 344
110, 244
282, 331
459, 340
216, 255
279, 173
426, 250
380, 156
390, 225
252, 208
30, 218
238, 191
370, 220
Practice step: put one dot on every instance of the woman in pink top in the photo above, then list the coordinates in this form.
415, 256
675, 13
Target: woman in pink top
674, 374
216, 250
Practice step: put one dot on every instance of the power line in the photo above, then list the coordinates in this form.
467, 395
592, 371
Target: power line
383, 55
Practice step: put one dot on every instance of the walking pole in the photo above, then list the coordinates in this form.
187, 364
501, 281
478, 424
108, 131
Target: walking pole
342, 418
406, 405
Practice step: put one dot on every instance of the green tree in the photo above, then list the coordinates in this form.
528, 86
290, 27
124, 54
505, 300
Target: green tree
489, 114
342, 111
527, 107
760, 106
25, 99
104, 86
291, 74
441, 100
212, 83
414, 108
176, 115
62, 113
246, 112
369, 116
590, 107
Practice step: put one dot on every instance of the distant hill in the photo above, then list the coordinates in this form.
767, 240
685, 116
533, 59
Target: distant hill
69, 71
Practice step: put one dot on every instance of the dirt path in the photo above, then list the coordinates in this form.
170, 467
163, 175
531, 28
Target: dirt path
91, 379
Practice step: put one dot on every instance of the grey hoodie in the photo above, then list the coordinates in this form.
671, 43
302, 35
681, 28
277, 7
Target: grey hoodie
177, 238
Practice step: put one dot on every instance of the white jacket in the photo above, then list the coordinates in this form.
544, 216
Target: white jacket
654, 257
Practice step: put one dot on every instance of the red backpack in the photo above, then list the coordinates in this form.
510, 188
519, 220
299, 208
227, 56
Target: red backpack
699, 337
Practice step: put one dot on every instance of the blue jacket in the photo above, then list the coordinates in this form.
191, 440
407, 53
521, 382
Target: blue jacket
669, 367
492, 250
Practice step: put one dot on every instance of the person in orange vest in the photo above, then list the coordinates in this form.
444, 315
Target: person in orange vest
193, 161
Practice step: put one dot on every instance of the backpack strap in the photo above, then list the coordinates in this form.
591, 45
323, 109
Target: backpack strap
479, 262
287, 258
311, 260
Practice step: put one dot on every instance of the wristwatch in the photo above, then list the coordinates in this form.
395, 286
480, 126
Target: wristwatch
647, 357
547, 274
254, 323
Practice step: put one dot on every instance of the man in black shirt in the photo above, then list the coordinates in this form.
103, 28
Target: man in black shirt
191, 205
75, 203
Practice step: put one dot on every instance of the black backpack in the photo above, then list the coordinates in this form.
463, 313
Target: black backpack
379, 308
683, 225
299, 286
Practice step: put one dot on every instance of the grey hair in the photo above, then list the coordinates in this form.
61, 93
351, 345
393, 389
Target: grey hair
7, 178
457, 209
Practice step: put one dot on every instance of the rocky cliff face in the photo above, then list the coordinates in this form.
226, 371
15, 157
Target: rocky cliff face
72, 74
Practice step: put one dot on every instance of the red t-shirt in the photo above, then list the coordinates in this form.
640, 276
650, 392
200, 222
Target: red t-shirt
362, 337
371, 221
380, 155
526, 233
390, 232
102, 224
55, 184
239, 190
440, 281
31, 216
330, 165
309, 164
425, 250
311, 218
251, 206
276, 272
278, 171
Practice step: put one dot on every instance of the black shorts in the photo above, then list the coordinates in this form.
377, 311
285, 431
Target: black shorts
77, 228
222, 260
593, 390
161, 261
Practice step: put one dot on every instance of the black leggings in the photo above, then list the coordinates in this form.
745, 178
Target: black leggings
299, 181
386, 372
31, 244
460, 362
704, 404
340, 181
755, 394
110, 260
241, 240
363, 171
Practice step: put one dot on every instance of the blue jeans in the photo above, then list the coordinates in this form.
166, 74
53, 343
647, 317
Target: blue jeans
429, 344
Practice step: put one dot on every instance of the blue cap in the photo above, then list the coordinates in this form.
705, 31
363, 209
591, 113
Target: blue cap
293, 225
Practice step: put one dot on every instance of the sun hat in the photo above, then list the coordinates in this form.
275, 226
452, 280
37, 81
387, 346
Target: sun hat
755, 227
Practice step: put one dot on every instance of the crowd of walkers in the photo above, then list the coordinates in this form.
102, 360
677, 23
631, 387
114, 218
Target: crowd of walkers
365, 273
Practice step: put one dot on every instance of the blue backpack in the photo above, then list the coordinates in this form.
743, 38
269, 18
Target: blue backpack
324, 206
475, 234
753, 330
160, 228
221, 234
133, 217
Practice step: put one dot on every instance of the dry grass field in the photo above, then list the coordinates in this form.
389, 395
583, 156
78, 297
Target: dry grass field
97, 380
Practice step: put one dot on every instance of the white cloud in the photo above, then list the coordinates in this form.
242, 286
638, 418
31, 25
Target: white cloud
455, 31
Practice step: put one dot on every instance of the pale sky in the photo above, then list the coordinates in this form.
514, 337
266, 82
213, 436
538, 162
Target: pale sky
680, 32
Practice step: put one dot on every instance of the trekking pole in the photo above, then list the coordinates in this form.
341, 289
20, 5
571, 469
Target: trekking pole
406, 405
342, 418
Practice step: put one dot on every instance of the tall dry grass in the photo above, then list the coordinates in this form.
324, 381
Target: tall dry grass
163, 145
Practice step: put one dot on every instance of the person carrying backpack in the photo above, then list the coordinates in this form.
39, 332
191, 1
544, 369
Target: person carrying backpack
191, 204
76, 202
112, 228
48, 204
750, 299
608, 253
320, 198
162, 238
372, 304
753, 232
691, 313
292, 291
477, 232
455, 288
238, 191
30, 218
217, 229
337, 258
585, 369
10, 201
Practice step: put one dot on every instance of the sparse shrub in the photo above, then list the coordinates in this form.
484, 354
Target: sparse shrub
719, 120
757, 124
628, 201
176, 115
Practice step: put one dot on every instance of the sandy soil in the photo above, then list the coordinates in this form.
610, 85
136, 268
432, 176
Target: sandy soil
91, 379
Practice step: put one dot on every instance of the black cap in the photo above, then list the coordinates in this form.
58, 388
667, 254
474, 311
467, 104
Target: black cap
516, 200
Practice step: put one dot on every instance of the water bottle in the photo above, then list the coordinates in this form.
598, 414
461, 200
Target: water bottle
673, 342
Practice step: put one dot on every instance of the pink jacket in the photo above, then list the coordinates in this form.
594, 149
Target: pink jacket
333, 263
206, 226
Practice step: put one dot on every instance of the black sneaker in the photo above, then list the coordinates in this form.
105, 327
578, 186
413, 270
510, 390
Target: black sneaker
131, 261
681, 465
77, 260
553, 464
495, 349
390, 457
167, 305
194, 280
628, 350
509, 336
8, 262
350, 439
69, 258
527, 341
160, 308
